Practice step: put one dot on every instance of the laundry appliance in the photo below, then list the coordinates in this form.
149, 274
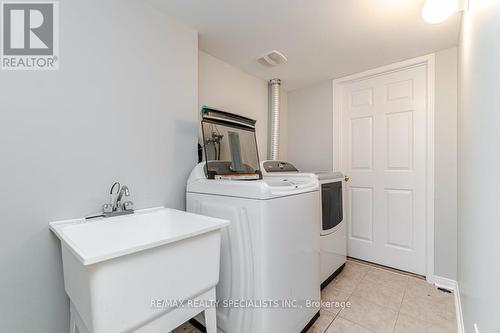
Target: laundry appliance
333, 226
269, 275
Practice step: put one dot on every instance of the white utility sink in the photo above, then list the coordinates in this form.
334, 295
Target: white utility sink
119, 270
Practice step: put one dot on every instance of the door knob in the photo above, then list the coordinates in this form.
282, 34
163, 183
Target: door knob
346, 179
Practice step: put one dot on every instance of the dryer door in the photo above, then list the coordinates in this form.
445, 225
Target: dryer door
331, 200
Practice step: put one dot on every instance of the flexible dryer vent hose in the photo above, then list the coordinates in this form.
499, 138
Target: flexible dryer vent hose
275, 118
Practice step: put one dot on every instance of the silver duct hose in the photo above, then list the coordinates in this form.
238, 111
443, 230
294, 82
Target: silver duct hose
275, 118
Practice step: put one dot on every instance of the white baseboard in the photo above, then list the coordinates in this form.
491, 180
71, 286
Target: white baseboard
445, 283
450, 284
458, 309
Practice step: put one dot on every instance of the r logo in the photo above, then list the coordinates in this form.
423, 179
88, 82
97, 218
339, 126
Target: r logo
30, 35
28, 28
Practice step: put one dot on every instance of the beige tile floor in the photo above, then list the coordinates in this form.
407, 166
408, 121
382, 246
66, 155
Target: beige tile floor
186, 328
382, 300
379, 300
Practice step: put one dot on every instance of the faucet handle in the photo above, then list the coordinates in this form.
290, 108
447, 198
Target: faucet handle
124, 189
128, 205
107, 208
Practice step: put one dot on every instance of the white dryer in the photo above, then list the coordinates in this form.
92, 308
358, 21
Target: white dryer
270, 251
333, 226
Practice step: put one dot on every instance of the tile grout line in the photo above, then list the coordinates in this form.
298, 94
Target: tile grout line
335, 317
349, 297
413, 316
358, 324
374, 267
338, 313
400, 305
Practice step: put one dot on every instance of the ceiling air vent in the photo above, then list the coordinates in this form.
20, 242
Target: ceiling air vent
272, 58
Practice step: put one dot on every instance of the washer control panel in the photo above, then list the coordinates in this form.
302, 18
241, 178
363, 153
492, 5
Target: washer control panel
279, 166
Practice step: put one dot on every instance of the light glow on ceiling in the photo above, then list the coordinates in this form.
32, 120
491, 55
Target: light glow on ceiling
437, 11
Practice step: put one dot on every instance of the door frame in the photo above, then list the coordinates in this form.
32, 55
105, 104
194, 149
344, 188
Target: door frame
429, 62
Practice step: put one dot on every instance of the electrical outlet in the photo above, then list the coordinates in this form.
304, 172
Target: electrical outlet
476, 330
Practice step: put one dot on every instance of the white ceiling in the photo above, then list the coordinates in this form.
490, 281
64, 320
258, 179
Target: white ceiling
322, 39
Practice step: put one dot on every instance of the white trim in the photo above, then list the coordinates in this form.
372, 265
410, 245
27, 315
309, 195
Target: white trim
431, 77
458, 309
337, 166
429, 62
397, 66
446, 283
442, 282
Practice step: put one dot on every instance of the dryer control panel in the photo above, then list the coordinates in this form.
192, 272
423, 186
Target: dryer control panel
278, 166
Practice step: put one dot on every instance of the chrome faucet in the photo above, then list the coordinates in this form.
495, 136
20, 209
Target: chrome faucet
117, 206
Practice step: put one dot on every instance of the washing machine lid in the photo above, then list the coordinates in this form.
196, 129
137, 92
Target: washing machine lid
264, 189
230, 145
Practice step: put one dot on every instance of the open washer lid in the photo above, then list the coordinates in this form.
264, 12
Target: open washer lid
230, 145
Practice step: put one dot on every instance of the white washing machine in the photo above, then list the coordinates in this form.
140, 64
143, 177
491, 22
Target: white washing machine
333, 226
333, 233
270, 251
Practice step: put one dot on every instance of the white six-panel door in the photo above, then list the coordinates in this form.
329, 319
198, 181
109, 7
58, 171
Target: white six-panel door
384, 154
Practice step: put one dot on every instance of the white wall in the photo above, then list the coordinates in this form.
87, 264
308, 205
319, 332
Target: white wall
227, 88
123, 106
445, 164
310, 127
310, 146
479, 166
